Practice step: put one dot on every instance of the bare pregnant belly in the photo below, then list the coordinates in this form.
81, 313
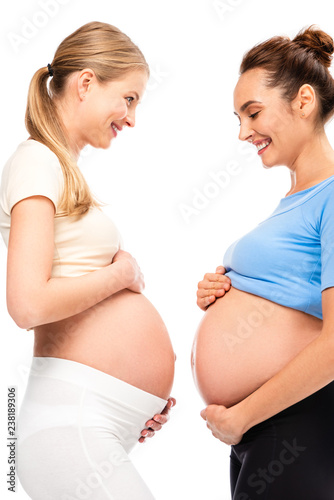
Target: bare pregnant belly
242, 341
123, 336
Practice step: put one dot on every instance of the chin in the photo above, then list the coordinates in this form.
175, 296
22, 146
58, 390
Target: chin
103, 144
267, 164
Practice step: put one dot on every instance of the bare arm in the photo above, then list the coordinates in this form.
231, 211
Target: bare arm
33, 297
311, 370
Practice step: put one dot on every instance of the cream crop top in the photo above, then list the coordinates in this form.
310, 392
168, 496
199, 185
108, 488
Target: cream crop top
81, 244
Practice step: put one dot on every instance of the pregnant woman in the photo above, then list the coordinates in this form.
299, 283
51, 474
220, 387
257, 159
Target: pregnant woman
103, 363
263, 355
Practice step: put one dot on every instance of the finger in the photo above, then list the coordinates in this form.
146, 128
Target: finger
141, 439
161, 419
211, 278
217, 276
221, 269
221, 278
171, 402
147, 433
203, 294
206, 302
203, 414
155, 424
211, 287
210, 297
165, 411
216, 280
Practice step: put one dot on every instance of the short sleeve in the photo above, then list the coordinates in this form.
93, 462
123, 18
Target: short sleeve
33, 170
327, 242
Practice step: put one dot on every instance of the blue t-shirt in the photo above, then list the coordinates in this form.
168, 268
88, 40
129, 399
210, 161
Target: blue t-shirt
289, 257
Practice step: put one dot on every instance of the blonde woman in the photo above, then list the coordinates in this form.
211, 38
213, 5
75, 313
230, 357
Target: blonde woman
103, 363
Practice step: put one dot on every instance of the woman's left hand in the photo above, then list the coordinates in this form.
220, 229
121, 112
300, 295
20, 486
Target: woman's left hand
223, 423
157, 421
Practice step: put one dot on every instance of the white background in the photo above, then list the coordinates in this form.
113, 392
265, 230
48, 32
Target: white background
185, 131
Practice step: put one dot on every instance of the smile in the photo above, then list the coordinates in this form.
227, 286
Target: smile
261, 146
114, 129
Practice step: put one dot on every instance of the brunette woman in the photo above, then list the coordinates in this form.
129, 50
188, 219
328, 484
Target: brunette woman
263, 356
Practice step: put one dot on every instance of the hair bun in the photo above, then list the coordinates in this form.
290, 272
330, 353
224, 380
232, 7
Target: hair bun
318, 42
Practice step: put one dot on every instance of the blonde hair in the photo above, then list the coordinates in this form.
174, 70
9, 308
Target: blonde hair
110, 54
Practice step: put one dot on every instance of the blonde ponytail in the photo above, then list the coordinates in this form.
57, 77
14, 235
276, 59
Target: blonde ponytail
110, 54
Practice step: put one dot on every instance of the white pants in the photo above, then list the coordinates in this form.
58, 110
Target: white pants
75, 428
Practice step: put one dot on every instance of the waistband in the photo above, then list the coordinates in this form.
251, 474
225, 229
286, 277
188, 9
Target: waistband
95, 380
317, 405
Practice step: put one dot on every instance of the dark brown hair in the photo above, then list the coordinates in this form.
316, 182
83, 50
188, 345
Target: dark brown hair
293, 63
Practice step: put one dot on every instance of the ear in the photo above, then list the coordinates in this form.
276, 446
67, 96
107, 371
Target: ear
85, 78
305, 101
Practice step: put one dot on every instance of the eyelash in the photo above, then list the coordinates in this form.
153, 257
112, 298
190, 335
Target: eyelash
251, 116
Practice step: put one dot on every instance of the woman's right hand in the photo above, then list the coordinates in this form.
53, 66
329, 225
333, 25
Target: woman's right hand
213, 286
130, 273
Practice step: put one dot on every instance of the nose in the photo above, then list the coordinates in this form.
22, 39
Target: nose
130, 120
245, 133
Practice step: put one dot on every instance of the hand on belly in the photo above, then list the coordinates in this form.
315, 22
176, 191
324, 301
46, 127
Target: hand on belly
123, 336
242, 341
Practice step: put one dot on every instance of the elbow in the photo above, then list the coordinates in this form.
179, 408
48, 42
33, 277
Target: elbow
23, 314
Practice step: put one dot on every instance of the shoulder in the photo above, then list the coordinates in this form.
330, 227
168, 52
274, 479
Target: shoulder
31, 159
325, 207
317, 205
327, 194
31, 152
321, 193
33, 169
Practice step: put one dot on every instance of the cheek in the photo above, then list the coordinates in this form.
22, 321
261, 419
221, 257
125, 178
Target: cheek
278, 128
118, 111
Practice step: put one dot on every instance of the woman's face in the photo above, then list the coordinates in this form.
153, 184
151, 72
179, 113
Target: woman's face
105, 109
267, 120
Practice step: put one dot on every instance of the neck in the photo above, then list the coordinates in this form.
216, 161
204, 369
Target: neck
69, 119
314, 164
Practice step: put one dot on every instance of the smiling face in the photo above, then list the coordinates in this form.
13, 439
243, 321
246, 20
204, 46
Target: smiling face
102, 110
267, 120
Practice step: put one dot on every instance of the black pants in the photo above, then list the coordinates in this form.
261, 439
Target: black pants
290, 456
